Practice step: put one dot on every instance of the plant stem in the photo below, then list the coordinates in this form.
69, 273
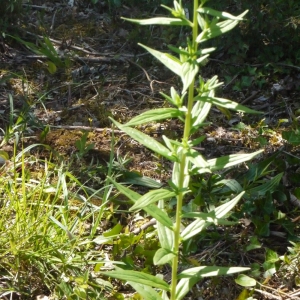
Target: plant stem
183, 165
177, 229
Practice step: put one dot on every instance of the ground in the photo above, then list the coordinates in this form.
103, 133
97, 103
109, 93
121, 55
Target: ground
65, 70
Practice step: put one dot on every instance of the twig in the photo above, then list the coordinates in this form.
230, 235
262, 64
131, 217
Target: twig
269, 295
145, 72
250, 97
289, 66
232, 80
38, 7
112, 55
276, 291
294, 200
295, 294
144, 226
87, 128
53, 19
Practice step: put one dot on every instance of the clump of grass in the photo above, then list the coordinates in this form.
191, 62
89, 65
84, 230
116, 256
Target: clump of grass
46, 228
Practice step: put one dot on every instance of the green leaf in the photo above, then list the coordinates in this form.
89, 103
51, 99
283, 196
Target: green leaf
227, 104
100, 240
113, 231
271, 256
219, 14
291, 137
190, 69
51, 67
171, 62
190, 277
152, 210
163, 256
4, 155
269, 186
197, 160
165, 235
199, 113
254, 244
260, 169
154, 115
175, 99
230, 160
200, 224
232, 184
50, 45
145, 291
146, 140
209, 271
138, 277
210, 217
151, 197
137, 179
270, 269
216, 29
160, 21
245, 280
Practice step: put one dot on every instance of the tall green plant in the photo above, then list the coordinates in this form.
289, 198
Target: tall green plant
186, 160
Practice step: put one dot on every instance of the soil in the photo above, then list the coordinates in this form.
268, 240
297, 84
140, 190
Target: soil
96, 70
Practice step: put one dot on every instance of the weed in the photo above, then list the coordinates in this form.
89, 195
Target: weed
186, 160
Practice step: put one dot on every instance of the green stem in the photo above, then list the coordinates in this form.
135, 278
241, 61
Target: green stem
177, 230
183, 162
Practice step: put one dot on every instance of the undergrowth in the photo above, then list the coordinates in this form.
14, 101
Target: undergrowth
64, 229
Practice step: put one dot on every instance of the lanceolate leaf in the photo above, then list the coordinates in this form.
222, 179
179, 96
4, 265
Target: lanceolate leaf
191, 276
219, 14
152, 210
154, 115
210, 271
197, 159
138, 277
160, 21
217, 29
145, 291
190, 69
146, 140
171, 62
230, 160
165, 234
151, 197
199, 113
198, 225
269, 186
227, 104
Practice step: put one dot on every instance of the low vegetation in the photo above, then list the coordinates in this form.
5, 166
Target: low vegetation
133, 176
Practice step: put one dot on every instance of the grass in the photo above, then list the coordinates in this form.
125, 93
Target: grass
44, 233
